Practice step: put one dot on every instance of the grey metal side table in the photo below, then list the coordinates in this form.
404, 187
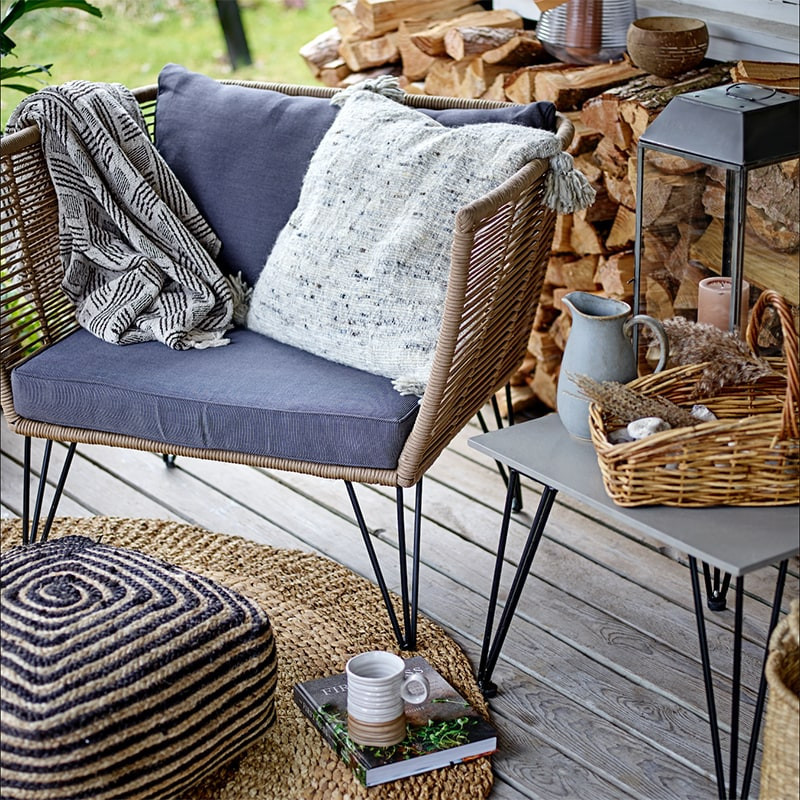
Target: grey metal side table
720, 538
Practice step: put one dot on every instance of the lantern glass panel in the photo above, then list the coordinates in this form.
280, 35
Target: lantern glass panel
683, 239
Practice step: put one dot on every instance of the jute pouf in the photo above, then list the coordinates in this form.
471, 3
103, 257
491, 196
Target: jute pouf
321, 614
122, 675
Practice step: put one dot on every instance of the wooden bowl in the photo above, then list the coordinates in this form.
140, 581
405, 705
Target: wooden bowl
667, 46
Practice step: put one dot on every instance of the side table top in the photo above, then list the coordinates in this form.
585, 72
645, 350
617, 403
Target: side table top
737, 539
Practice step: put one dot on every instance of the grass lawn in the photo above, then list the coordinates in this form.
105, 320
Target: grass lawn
135, 38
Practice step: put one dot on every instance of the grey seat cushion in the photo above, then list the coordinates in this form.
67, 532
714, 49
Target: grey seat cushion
254, 396
243, 164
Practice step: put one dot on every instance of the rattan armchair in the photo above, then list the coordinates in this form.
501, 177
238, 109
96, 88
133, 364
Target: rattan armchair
500, 248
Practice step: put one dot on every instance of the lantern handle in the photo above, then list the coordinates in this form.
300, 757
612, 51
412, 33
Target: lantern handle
769, 91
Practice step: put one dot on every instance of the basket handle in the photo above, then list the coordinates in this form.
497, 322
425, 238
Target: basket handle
790, 425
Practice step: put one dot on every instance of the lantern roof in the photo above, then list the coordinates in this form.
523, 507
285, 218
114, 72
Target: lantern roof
739, 124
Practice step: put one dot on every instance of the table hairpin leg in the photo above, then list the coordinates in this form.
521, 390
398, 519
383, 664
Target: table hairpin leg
730, 793
490, 650
716, 587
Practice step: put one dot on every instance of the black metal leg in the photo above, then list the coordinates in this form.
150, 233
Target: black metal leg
762, 688
730, 792
707, 678
490, 650
26, 491
716, 588
409, 595
499, 421
30, 528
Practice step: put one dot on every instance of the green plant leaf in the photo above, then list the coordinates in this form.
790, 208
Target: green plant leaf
20, 7
20, 72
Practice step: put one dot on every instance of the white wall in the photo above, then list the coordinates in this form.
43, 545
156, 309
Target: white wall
759, 30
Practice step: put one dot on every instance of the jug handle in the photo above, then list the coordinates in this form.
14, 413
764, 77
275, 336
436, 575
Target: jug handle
658, 331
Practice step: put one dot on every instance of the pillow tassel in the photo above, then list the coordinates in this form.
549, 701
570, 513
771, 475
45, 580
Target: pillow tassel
567, 189
385, 85
240, 294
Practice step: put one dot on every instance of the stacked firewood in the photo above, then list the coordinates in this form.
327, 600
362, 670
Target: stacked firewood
444, 47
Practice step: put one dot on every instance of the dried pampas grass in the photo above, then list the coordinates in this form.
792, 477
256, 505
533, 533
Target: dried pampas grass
627, 405
728, 359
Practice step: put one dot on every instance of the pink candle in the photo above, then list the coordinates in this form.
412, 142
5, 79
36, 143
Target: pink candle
714, 302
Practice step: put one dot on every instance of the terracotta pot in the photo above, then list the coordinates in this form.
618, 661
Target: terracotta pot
667, 46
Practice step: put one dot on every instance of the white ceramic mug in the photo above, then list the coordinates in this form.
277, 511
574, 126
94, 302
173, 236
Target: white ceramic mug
377, 690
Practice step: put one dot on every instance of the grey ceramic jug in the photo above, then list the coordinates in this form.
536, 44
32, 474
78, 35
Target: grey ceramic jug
600, 346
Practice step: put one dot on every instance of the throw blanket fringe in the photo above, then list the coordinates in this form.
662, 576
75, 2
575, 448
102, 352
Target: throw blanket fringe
566, 188
138, 256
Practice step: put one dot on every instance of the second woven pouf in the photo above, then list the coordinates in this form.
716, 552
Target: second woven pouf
122, 675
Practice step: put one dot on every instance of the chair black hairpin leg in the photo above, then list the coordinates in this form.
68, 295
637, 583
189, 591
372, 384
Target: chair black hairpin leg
30, 528
517, 503
407, 638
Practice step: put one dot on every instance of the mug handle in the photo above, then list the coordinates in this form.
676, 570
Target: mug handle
658, 331
417, 697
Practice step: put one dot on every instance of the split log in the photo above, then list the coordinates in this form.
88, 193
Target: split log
615, 275
562, 236
658, 300
334, 72
584, 238
579, 275
496, 90
545, 317
473, 41
569, 89
623, 112
321, 50
545, 350
585, 139
344, 17
669, 199
364, 54
522, 50
623, 230
431, 40
544, 386
416, 63
561, 329
469, 78
382, 16
785, 77
642, 104
520, 86
611, 159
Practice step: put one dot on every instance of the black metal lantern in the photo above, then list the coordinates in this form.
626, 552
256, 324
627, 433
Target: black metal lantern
723, 159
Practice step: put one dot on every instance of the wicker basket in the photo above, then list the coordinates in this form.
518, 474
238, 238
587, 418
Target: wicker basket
780, 763
749, 456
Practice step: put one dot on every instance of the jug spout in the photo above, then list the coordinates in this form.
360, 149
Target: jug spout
587, 304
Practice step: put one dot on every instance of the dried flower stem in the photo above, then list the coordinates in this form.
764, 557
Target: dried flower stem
627, 404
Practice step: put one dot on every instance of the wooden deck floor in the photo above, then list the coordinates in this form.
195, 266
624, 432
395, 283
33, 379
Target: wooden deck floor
601, 685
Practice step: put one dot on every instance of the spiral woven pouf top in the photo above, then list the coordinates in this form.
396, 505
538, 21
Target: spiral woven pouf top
123, 675
321, 614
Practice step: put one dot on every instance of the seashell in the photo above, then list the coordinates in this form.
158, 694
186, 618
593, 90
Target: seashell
646, 426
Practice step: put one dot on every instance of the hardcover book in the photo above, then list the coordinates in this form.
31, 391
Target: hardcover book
442, 731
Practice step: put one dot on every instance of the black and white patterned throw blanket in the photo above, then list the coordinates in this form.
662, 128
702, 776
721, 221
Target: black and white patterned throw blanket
138, 256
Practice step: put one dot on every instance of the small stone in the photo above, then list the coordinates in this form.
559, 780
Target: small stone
646, 426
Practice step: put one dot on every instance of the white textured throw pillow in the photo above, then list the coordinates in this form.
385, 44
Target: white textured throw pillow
359, 273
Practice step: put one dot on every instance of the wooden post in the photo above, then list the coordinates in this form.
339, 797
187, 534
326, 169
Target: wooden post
230, 19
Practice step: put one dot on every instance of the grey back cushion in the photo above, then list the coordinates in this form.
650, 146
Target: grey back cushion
242, 153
